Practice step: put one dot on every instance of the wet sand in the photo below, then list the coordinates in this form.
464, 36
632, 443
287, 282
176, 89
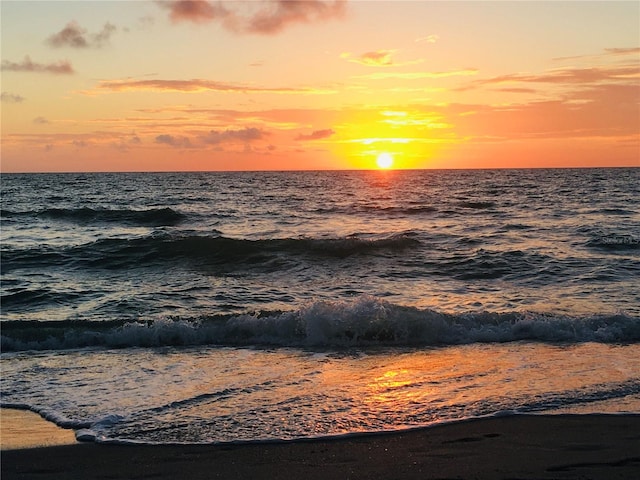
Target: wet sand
523, 447
25, 429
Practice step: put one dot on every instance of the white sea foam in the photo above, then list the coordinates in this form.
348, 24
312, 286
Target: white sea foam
204, 395
363, 321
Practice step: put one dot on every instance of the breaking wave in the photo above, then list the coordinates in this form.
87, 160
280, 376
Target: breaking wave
363, 322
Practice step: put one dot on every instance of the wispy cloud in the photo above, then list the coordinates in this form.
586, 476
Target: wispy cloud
517, 90
564, 76
428, 39
608, 52
600, 110
316, 135
417, 75
623, 51
73, 35
378, 58
264, 18
244, 135
41, 121
199, 85
62, 67
174, 141
12, 98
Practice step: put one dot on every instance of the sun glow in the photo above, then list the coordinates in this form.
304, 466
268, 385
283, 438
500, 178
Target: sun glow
384, 160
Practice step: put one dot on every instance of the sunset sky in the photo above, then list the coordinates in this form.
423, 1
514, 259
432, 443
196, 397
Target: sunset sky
280, 85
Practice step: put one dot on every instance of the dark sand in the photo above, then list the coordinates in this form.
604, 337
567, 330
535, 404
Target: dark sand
520, 447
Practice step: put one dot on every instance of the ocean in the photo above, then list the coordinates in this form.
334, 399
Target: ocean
263, 306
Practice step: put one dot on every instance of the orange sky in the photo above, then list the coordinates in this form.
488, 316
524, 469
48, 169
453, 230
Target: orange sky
279, 85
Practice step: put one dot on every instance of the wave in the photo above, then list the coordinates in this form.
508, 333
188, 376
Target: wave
19, 296
394, 210
612, 211
487, 265
385, 211
477, 205
445, 209
362, 322
209, 250
155, 217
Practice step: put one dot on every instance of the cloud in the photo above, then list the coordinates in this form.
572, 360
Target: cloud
263, 18
197, 11
623, 51
123, 144
316, 135
73, 35
198, 85
244, 135
608, 52
601, 110
428, 39
102, 37
180, 142
417, 75
277, 15
379, 58
517, 90
62, 67
564, 76
12, 98
50, 140
41, 121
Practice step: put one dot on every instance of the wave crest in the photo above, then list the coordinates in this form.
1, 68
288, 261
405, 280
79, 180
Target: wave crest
363, 322
154, 217
116, 253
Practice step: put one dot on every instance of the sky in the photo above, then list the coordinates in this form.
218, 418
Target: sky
174, 85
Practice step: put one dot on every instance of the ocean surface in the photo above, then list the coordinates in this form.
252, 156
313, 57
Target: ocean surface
259, 306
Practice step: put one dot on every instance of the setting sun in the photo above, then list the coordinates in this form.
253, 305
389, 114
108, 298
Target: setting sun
384, 160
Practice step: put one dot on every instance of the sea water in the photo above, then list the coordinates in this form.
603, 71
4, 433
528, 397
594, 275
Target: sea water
249, 306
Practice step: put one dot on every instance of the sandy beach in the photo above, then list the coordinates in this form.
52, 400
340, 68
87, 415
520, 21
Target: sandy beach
524, 447
21, 429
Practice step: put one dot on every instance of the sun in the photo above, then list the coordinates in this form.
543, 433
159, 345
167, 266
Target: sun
384, 160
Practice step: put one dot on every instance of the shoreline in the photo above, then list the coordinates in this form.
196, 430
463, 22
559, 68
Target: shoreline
552, 446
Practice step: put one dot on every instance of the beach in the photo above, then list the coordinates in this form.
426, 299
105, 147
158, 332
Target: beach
520, 446
266, 320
